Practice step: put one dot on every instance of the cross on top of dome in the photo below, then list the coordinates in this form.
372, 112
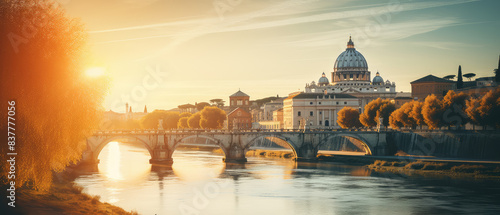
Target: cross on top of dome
350, 44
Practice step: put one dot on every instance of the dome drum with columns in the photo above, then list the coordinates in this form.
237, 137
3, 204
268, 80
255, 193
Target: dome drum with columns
350, 66
351, 75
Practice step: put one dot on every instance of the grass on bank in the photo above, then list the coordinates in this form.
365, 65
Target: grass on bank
438, 167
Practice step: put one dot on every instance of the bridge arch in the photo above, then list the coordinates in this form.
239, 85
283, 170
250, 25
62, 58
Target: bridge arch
286, 140
217, 142
97, 150
364, 142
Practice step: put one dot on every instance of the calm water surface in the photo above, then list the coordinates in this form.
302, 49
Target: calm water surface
200, 183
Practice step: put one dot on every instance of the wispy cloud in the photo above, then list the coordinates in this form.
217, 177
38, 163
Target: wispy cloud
444, 45
271, 17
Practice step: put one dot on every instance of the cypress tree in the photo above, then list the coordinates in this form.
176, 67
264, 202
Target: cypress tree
460, 81
497, 72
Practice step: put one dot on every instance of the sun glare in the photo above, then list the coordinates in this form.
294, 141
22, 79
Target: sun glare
95, 71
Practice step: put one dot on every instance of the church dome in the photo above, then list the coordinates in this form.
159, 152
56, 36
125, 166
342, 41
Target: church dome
378, 80
350, 60
323, 80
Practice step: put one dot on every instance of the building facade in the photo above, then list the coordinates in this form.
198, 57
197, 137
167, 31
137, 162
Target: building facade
430, 84
238, 115
239, 119
315, 110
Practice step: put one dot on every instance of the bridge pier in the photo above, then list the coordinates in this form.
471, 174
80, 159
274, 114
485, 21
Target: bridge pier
235, 154
161, 156
307, 153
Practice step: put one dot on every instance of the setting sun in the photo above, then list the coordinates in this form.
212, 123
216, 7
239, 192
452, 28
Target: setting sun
95, 71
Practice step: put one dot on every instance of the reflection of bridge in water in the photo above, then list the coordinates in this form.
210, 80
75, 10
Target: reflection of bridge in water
305, 144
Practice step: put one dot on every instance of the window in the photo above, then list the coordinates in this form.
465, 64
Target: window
337, 102
320, 113
239, 102
310, 103
320, 122
311, 113
298, 113
345, 76
319, 103
246, 102
345, 103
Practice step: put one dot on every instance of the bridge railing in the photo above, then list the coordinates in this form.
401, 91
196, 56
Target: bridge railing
224, 131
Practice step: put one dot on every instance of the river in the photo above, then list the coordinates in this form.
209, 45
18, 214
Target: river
200, 183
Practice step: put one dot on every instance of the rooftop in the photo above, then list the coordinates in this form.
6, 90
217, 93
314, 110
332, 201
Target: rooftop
431, 78
320, 95
239, 93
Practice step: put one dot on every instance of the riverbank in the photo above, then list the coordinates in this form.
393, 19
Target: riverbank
425, 166
63, 197
274, 153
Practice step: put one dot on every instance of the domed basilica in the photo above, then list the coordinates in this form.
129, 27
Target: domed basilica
351, 76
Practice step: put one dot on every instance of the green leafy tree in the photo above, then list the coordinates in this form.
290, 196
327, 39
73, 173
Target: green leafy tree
217, 102
348, 117
460, 80
43, 58
497, 72
201, 105
432, 111
469, 75
212, 118
194, 120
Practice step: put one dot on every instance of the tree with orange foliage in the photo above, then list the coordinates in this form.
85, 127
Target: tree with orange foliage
486, 110
416, 113
348, 117
170, 119
185, 114
432, 111
402, 117
183, 122
454, 109
42, 72
212, 118
201, 105
376, 109
194, 120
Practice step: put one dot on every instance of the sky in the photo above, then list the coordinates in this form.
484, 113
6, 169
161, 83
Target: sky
164, 53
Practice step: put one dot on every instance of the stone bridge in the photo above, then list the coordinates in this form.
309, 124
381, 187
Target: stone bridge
162, 143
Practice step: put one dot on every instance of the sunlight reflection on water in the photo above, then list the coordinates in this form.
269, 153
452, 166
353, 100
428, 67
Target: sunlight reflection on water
273, 186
